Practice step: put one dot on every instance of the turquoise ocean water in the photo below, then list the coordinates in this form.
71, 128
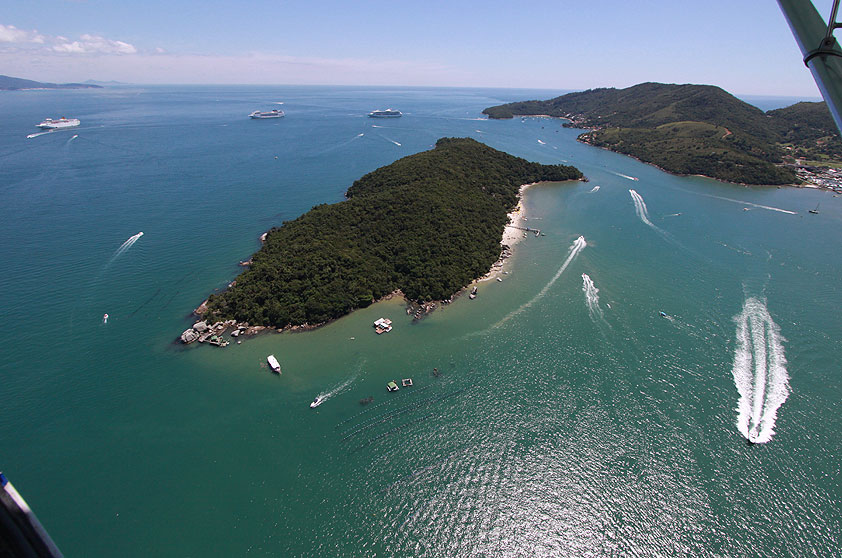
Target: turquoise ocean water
569, 418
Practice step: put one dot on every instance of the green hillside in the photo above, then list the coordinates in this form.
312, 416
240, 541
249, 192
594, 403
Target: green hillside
427, 225
652, 121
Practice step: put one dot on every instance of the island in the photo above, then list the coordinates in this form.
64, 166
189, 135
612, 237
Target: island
696, 130
424, 227
8, 83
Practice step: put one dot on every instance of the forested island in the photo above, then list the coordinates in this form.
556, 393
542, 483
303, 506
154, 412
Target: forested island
426, 225
695, 129
8, 83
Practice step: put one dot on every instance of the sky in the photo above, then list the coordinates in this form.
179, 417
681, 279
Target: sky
743, 46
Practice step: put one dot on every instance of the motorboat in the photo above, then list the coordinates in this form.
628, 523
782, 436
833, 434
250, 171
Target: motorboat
392, 386
317, 401
274, 364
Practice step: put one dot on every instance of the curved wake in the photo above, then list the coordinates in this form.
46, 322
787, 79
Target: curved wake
591, 297
640, 208
577, 246
126, 245
759, 371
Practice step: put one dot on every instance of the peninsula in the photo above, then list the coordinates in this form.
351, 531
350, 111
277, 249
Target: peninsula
8, 83
695, 129
426, 226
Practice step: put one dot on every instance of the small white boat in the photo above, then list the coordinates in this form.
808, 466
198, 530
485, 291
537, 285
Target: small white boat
105, 318
317, 401
273, 364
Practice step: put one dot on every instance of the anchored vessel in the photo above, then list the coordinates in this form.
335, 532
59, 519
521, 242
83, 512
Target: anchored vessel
273, 364
276, 113
50, 124
388, 113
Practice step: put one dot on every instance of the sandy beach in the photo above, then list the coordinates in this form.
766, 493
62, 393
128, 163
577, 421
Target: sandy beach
511, 235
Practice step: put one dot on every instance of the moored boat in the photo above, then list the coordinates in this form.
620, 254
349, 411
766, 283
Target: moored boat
273, 364
392, 386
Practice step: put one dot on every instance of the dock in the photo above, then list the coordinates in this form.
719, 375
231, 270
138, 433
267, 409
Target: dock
526, 229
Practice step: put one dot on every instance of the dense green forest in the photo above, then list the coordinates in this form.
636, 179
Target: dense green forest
427, 225
695, 129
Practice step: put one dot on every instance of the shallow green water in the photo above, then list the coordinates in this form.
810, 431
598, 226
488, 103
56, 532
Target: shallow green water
553, 428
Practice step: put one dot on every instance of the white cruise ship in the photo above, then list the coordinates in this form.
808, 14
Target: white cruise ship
388, 113
50, 124
276, 113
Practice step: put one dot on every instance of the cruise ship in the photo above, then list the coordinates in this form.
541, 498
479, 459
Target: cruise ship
276, 113
50, 124
388, 113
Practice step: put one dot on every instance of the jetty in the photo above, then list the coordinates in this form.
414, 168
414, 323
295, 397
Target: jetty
526, 229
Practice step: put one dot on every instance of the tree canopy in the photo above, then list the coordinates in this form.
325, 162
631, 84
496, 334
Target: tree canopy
427, 225
694, 129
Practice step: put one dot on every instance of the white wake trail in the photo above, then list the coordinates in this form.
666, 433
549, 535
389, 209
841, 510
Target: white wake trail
624, 175
591, 297
759, 371
126, 245
577, 246
325, 395
640, 208
769, 207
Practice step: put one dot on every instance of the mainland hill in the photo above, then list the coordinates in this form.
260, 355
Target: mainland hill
426, 225
8, 83
695, 129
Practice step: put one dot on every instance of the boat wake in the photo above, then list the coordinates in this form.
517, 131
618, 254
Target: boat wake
759, 371
577, 246
640, 208
125, 246
73, 138
591, 297
541, 142
744, 203
595, 189
336, 390
624, 175
35, 135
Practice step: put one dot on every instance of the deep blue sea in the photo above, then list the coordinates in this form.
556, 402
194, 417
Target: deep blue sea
568, 416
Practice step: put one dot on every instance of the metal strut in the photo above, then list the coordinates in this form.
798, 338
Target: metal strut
822, 53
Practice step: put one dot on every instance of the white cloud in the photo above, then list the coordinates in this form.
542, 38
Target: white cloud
92, 44
19, 40
11, 34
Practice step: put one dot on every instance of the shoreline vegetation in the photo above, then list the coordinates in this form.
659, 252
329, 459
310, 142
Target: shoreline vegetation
424, 227
695, 130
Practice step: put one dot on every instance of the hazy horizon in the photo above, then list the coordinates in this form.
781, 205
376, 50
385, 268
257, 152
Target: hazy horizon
745, 49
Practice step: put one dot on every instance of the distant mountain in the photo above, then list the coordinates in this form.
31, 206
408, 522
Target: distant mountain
694, 129
8, 83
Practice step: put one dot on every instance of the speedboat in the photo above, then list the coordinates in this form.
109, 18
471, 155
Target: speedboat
662, 314
317, 401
